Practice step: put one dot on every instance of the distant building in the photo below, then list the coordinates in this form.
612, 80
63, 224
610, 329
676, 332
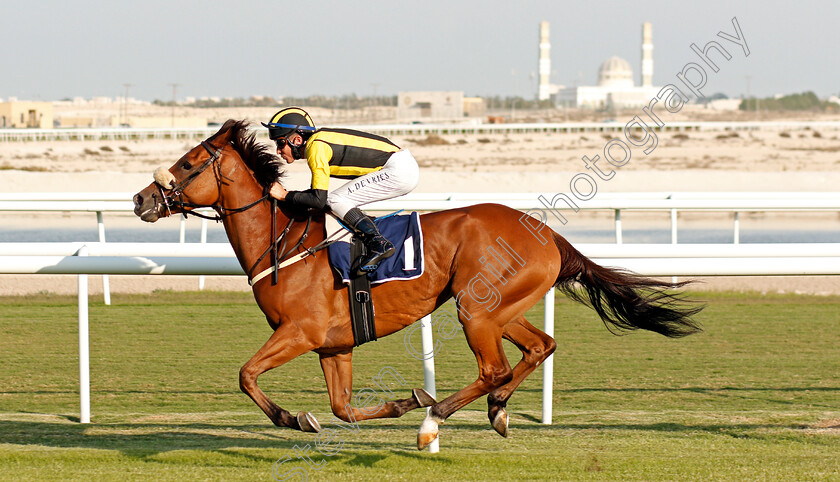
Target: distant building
75, 121
615, 89
545, 88
434, 106
724, 104
153, 122
474, 107
20, 114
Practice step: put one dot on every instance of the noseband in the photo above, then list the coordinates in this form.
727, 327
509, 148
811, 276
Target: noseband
176, 199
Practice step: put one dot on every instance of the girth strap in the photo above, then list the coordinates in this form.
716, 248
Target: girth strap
361, 303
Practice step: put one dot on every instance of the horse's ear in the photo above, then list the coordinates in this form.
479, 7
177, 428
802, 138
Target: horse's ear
227, 132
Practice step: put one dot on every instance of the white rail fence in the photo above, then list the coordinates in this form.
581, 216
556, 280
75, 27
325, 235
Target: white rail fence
781, 259
114, 133
648, 259
535, 203
672, 202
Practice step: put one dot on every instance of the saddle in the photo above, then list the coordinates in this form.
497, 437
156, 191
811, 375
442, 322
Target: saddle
406, 263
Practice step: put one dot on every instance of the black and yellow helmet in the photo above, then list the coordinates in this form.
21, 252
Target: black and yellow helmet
288, 120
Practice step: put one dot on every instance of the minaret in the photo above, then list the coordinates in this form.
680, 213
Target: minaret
545, 63
647, 55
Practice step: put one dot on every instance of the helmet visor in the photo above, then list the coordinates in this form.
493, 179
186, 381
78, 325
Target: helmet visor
276, 129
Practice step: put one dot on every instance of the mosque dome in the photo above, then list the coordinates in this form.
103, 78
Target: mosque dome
615, 72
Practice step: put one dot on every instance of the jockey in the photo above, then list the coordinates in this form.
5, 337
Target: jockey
378, 170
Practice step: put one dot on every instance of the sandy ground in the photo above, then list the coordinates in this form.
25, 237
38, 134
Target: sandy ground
754, 161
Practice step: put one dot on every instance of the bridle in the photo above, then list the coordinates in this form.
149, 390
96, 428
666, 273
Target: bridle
276, 249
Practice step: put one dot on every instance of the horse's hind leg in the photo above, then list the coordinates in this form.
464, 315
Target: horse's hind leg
536, 346
275, 352
338, 372
493, 372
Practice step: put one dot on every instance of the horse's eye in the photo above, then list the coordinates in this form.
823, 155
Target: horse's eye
186, 165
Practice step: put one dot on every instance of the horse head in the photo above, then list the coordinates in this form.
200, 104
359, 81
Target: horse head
198, 178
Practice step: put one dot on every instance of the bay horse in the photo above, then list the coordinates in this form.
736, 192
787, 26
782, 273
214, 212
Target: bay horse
307, 305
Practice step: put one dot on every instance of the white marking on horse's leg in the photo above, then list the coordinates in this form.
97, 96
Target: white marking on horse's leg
428, 431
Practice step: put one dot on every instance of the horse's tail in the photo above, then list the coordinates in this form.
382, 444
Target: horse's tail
623, 299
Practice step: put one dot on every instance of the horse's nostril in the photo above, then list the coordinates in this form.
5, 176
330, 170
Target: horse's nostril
138, 199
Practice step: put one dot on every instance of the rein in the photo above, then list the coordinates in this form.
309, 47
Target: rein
276, 258
286, 258
280, 262
280, 256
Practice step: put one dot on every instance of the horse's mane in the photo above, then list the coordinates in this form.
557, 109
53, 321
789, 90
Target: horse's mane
258, 157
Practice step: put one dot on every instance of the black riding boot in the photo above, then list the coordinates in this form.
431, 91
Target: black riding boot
378, 248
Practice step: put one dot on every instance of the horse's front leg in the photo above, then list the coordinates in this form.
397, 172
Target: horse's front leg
338, 372
286, 343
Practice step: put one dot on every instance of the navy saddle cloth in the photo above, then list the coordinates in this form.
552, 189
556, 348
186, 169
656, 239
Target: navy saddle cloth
406, 263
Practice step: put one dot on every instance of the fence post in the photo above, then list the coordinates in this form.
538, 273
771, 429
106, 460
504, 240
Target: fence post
106, 285
203, 240
673, 226
548, 364
618, 234
673, 236
182, 234
84, 346
428, 346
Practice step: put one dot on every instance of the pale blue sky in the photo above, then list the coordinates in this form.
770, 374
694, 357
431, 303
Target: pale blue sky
58, 49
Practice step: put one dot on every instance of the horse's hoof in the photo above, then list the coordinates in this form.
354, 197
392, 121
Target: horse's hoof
428, 431
423, 397
424, 439
500, 423
308, 423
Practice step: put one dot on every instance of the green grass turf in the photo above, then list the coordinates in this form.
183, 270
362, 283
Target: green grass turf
756, 396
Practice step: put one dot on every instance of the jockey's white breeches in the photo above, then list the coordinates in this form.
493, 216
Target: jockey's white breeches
398, 176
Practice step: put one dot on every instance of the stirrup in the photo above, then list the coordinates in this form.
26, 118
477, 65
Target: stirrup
369, 266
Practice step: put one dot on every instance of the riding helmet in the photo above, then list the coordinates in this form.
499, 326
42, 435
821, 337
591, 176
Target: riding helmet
288, 120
